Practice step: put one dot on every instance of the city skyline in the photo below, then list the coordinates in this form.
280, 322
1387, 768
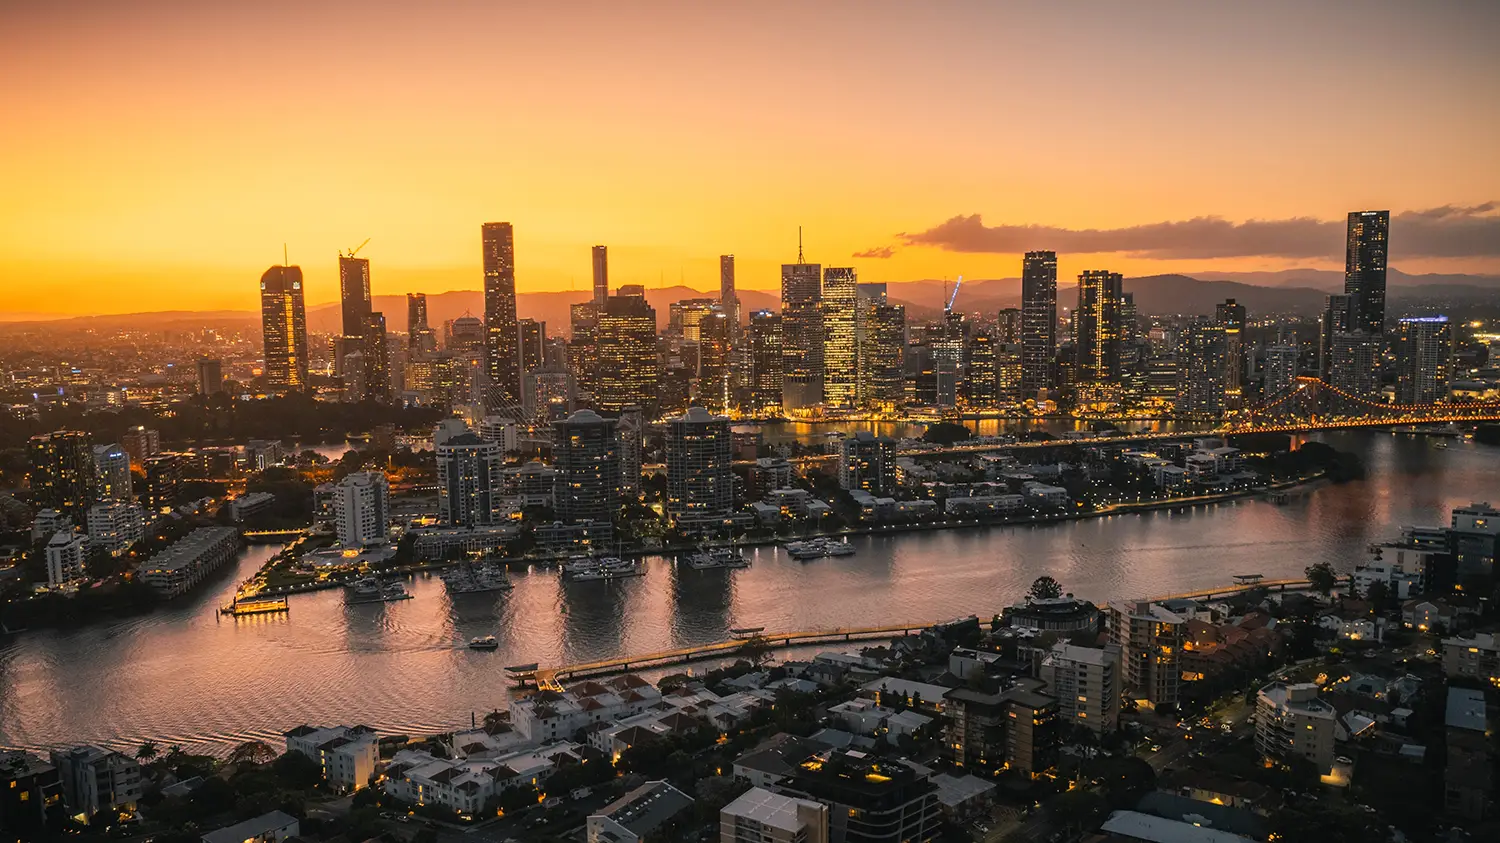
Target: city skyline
204, 178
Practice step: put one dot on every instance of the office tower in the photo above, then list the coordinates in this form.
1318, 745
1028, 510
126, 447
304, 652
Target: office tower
141, 442
546, 394
1038, 323
163, 482
1424, 359
1338, 318
1008, 330
1097, 342
1150, 638
502, 365
700, 476
586, 454
1230, 315
420, 338
765, 816
714, 374
728, 298
868, 463
354, 374
801, 334
1352, 366
354, 294
1280, 369
115, 525
1364, 269
361, 507
683, 317
112, 480
210, 376
766, 359
881, 339
283, 324
978, 388
625, 363
839, 347
1008, 373
1200, 368
62, 472
631, 427
469, 475
377, 358
601, 276
947, 340
1161, 379
583, 343
1086, 683
533, 341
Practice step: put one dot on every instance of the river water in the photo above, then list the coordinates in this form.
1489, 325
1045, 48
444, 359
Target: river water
181, 675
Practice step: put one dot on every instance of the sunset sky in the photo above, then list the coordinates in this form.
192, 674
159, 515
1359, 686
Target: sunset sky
156, 155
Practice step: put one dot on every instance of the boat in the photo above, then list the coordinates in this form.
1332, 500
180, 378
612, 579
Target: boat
818, 548
476, 579
372, 590
488, 642
603, 568
718, 557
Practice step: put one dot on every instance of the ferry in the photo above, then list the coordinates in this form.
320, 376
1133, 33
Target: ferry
372, 590
818, 548
476, 579
488, 642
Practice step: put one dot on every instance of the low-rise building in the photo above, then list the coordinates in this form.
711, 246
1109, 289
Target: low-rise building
189, 560
763, 816
466, 784
1476, 657
549, 716
644, 815
249, 505
29, 790
1291, 720
1041, 493
892, 691
346, 754
1055, 614
274, 827
95, 780
870, 800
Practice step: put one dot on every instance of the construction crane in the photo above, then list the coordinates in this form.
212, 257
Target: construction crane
354, 251
952, 297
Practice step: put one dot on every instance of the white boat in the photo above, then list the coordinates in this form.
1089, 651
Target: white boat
604, 568
818, 548
372, 590
477, 579
718, 557
488, 642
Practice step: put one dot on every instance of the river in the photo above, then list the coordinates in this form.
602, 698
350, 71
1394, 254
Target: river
182, 675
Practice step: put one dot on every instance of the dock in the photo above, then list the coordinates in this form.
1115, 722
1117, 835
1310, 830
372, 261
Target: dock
255, 606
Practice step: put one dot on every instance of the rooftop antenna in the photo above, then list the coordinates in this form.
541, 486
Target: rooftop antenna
799, 244
283, 255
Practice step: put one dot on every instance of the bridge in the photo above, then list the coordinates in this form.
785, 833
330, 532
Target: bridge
551, 678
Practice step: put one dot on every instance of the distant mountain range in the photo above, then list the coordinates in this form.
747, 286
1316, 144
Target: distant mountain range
1292, 291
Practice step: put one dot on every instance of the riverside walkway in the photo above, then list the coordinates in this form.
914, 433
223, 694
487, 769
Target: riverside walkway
550, 678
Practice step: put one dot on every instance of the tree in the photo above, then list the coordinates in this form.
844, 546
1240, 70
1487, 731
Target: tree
146, 752
252, 752
755, 650
1045, 588
1321, 577
1378, 594
946, 433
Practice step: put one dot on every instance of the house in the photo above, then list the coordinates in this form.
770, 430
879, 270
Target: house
1423, 614
643, 815
465, 785
346, 754
1347, 626
861, 716
274, 827
549, 716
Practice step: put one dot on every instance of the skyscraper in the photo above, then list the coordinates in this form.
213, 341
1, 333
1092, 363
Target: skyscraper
1098, 341
1230, 315
586, 454
601, 276
62, 472
1351, 369
728, 298
839, 348
1200, 368
700, 476
764, 336
1008, 326
801, 333
420, 338
978, 388
1364, 268
583, 343
533, 341
881, 337
502, 364
1038, 322
283, 324
1280, 369
112, 478
210, 376
1338, 318
714, 340
469, 481
377, 369
625, 359
631, 427
1424, 359
354, 293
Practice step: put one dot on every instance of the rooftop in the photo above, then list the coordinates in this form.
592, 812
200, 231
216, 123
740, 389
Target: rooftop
1139, 826
647, 807
251, 829
768, 808
1465, 709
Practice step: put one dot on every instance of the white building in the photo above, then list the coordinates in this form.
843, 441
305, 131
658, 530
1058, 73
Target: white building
95, 780
250, 504
112, 480
501, 431
1291, 720
763, 816
49, 521
469, 481
700, 476
1086, 682
1399, 581
66, 553
361, 509
638, 815
116, 525
1045, 494
347, 754
465, 784
549, 716
189, 560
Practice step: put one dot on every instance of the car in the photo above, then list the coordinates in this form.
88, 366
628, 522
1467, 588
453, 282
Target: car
581, 793
403, 819
981, 828
552, 802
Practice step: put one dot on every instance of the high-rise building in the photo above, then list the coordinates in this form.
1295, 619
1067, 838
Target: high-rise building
869, 800
502, 362
766, 359
141, 442
116, 525
163, 482
1424, 359
728, 298
1008, 329
377, 373
354, 294
840, 361
1086, 683
283, 323
1098, 339
1290, 720
1201, 368
469, 480
700, 476
533, 340
583, 343
464, 335
1150, 638
210, 376
1280, 369
801, 334
714, 373
1230, 315
867, 463
1351, 369
62, 472
586, 454
112, 473
420, 338
625, 363
1038, 323
880, 334
1364, 268
361, 506
1339, 317
631, 427
601, 275
978, 388
1008, 373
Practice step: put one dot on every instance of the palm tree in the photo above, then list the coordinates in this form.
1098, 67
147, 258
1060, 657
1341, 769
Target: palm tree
146, 752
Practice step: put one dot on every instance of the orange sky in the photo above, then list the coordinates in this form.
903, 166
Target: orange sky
156, 155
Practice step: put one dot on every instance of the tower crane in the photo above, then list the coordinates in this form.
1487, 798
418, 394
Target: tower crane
354, 251
952, 297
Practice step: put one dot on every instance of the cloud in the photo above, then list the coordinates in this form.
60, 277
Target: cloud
877, 252
1446, 232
